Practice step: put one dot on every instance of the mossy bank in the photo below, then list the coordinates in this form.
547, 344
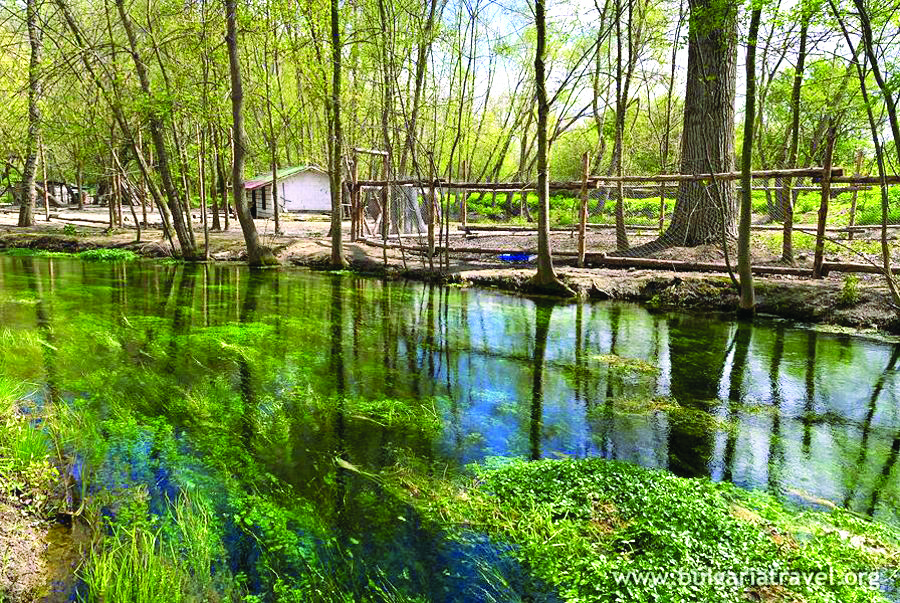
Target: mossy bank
596, 530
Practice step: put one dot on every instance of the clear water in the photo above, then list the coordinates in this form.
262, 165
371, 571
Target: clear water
808, 415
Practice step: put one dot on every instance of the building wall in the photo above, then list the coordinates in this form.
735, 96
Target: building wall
307, 191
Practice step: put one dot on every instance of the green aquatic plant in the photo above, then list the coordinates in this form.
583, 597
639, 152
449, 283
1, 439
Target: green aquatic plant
27, 475
634, 406
593, 528
134, 565
627, 365
27, 252
107, 255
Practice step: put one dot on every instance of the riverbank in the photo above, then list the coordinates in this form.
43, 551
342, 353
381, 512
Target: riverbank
857, 302
40, 545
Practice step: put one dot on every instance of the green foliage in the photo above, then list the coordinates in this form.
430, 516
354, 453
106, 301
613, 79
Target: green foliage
27, 475
107, 255
134, 565
27, 252
849, 295
584, 526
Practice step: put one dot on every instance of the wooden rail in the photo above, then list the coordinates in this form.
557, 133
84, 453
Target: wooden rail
600, 260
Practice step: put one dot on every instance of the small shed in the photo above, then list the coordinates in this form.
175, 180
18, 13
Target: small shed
302, 188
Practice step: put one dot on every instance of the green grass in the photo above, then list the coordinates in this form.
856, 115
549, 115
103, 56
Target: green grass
21, 444
90, 255
583, 526
133, 565
564, 208
107, 255
27, 252
172, 559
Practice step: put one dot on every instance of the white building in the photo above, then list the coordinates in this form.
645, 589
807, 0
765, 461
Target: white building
301, 188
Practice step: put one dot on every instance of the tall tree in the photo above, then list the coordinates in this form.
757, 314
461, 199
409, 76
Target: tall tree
546, 276
707, 143
787, 247
181, 216
748, 299
35, 85
337, 247
257, 254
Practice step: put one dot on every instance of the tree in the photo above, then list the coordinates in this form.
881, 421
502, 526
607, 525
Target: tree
748, 300
257, 254
181, 216
337, 248
787, 248
545, 278
707, 144
35, 85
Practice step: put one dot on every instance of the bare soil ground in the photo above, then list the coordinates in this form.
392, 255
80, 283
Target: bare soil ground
305, 242
38, 556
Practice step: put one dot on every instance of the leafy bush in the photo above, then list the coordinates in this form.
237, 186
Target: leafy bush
849, 291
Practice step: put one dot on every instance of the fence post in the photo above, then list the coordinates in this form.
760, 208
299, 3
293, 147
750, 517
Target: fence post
354, 197
662, 205
582, 214
385, 208
464, 195
432, 214
856, 174
823, 205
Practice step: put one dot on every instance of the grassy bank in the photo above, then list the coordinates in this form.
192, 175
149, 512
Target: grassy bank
35, 556
599, 530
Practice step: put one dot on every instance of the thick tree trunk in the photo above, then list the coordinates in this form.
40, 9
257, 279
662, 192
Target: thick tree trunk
708, 135
257, 255
26, 211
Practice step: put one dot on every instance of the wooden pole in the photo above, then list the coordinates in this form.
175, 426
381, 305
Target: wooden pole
432, 214
856, 174
662, 206
225, 200
143, 188
354, 197
464, 195
823, 205
385, 210
119, 195
46, 194
201, 168
583, 212
79, 183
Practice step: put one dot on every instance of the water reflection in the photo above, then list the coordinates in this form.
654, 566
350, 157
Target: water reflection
767, 405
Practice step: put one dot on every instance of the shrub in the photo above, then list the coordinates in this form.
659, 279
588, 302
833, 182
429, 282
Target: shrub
850, 291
